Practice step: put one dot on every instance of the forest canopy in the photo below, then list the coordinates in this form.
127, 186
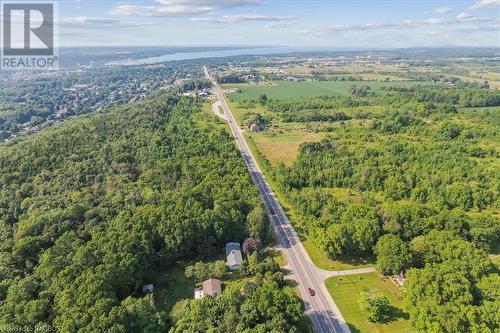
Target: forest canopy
91, 207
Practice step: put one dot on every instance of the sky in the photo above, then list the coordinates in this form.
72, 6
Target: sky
307, 23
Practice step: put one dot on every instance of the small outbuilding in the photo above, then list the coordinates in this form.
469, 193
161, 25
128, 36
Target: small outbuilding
147, 288
198, 293
254, 127
400, 278
233, 256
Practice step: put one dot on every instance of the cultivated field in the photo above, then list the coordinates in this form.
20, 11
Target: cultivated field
290, 89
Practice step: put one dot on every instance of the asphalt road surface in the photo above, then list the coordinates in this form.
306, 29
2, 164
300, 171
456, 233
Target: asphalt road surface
323, 312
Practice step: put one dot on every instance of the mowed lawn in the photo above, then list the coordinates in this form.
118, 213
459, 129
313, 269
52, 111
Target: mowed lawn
290, 89
346, 291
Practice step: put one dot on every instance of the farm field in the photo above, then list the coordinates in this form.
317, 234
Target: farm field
290, 89
494, 84
369, 76
346, 291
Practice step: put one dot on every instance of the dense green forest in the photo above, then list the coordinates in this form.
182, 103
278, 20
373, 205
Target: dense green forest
410, 176
91, 208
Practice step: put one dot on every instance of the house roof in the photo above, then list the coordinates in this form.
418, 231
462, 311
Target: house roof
232, 246
212, 287
233, 254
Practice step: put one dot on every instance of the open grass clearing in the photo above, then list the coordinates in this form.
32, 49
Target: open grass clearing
320, 259
346, 291
283, 148
208, 118
171, 286
238, 111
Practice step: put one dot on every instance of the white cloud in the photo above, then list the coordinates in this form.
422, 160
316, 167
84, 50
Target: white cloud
463, 16
136, 10
85, 20
436, 21
257, 17
485, 3
239, 18
208, 19
462, 21
443, 10
276, 25
216, 4
90, 22
179, 7
335, 29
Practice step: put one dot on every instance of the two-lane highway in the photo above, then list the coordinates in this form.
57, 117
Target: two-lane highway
324, 314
